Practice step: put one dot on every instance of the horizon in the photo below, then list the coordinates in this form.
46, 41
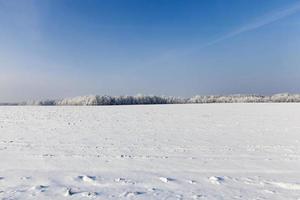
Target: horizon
55, 49
285, 95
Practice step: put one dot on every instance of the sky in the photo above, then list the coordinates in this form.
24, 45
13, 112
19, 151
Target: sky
63, 48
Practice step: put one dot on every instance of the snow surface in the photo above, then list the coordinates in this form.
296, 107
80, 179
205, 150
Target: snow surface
188, 151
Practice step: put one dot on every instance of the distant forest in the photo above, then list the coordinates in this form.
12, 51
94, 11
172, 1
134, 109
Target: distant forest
97, 100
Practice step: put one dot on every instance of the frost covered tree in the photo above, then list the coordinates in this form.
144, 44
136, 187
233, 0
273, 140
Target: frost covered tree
92, 100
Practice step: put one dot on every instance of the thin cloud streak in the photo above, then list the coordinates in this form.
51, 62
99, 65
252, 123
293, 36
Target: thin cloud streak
271, 17
262, 21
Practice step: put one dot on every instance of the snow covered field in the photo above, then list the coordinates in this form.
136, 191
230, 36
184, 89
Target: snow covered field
199, 151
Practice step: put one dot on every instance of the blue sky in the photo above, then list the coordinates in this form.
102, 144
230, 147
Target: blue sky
62, 48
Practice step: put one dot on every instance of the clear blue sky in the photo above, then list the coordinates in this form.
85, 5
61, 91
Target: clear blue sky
62, 48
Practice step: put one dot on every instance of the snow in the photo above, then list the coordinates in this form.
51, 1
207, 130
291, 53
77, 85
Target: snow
186, 151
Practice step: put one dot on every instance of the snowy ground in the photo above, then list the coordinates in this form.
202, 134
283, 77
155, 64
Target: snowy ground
209, 151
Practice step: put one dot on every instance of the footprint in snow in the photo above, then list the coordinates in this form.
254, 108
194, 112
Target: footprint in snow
40, 188
166, 179
90, 194
48, 155
87, 179
124, 181
198, 196
217, 180
131, 194
152, 189
120, 180
71, 192
192, 182
25, 178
